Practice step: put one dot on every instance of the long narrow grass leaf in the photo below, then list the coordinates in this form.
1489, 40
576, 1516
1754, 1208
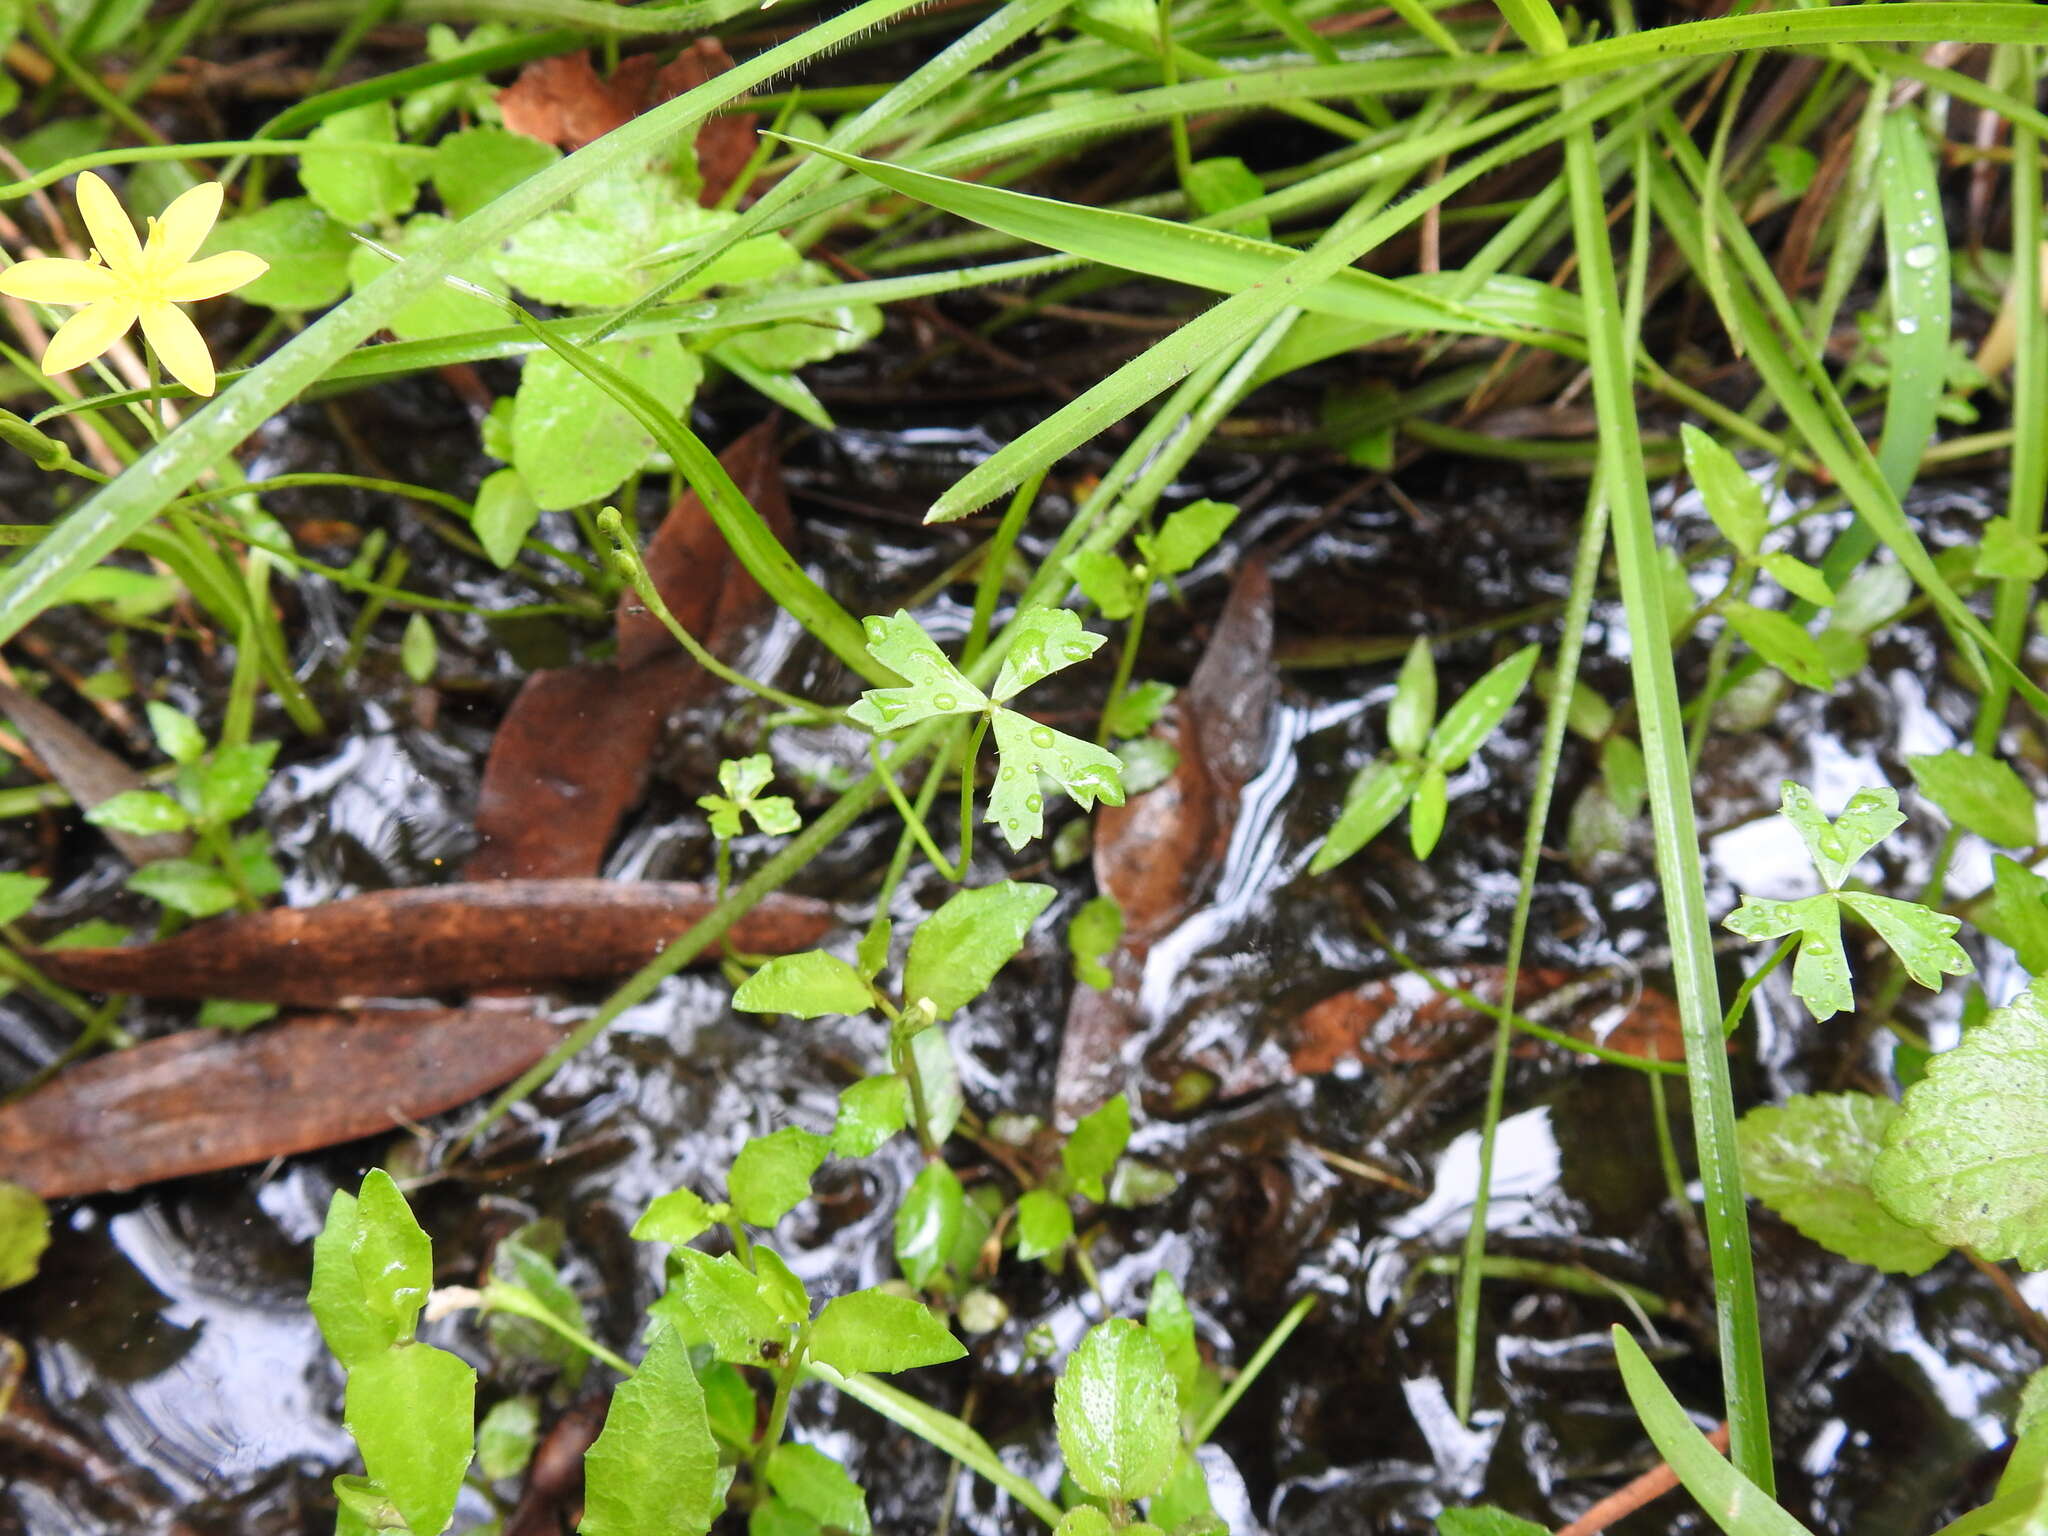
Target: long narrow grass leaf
1909, 21
1734, 1503
1673, 823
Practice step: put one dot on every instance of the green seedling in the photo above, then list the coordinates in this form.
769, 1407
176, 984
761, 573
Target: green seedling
1048, 640
214, 788
1416, 770
1922, 939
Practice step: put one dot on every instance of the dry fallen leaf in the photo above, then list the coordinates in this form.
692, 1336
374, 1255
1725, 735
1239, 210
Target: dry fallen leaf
203, 1100
430, 941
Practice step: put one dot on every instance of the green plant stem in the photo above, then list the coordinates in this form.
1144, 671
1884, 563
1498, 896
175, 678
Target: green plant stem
84, 81
995, 560
1675, 828
1282, 1332
949, 1434
1755, 979
1576, 1278
520, 1302
625, 557
912, 822
778, 1409
1126, 663
1585, 582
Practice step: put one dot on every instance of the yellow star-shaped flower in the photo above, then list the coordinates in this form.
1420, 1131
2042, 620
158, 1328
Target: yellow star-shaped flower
127, 281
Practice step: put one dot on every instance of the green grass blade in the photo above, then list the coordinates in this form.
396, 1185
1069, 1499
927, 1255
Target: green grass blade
1909, 21
1225, 326
1672, 820
1203, 258
1535, 23
1734, 1502
117, 510
1917, 279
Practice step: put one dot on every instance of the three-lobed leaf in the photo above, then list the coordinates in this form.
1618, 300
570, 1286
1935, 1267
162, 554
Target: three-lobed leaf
1028, 753
1820, 970
1837, 847
936, 686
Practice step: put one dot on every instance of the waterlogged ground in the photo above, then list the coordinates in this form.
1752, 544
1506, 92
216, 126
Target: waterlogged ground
174, 1381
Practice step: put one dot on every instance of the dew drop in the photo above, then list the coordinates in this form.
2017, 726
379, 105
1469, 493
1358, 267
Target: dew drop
944, 702
1034, 804
1040, 736
1011, 823
1908, 325
877, 629
1007, 773
1921, 257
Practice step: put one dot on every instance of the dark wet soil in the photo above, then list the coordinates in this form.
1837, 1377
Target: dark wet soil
176, 1382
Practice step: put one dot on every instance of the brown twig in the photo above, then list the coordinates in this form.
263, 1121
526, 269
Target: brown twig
1625, 1501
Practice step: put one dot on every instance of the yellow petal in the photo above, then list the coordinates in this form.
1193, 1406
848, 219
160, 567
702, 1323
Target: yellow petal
179, 346
112, 235
182, 228
215, 275
87, 334
53, 280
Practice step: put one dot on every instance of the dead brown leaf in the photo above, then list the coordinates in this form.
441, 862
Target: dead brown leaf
1158, 854
563, 102
430, 941
88, 771
203, 1100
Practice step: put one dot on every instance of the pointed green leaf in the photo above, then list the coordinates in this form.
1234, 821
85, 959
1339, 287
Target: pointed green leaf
870, 1112
507, 1436
877, 1331
1092, 936
19, 893
504, 515
1374, 801
394, 1257
1028, 753
1979, 794
1045, 1224
412, 1410
1172, 1327
1048, 640
936, 686
1733, 500
809, 1481
772, 1174
177, 735
144, 812
1136, 710
928, 1224
1837, 847
733, 1306
1095, 1145
677, 1217
1968, 1159
1486, 1520
1467, 723
1106, 582
1924, 940
1820, 974
957, 951
1117, 1413
1810, 1160
1783, 643
1427, 810
806, 985
1414, 709
352, 1329
2018, 913
1186, 536
1799, 578
654, 1469
233, 778
24, 1233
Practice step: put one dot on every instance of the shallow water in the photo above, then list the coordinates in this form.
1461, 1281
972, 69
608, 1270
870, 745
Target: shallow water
179, 1384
